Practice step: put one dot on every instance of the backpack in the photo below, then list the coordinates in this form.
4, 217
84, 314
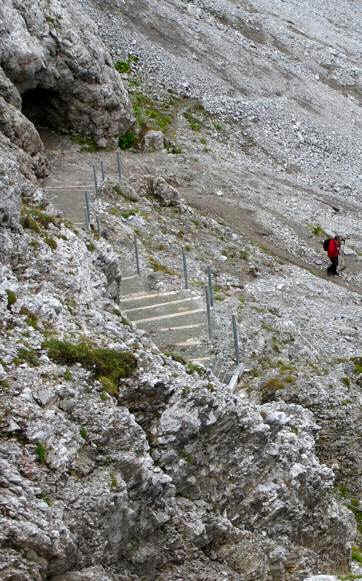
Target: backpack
326, 244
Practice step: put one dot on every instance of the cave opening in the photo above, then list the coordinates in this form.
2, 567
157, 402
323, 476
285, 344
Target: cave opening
45, 109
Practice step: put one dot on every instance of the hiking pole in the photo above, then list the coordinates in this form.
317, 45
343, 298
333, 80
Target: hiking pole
136, 254
119, 165
236, 340
87, 210
95, 178
208, 311
185, 269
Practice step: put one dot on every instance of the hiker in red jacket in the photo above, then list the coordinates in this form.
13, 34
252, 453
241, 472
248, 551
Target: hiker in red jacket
334, 247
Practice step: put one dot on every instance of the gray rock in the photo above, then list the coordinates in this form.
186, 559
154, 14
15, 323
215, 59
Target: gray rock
164, 192
153, 141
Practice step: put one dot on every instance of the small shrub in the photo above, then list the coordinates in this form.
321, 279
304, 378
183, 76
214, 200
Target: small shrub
317, 230
11, 298
127, 140
41, 452
357, 554
274, 384
346, 380
31, 318
103, 396
68, 376
123, 67
126, 66
29, 356
90, 246
357, 364
203, 140
83, 432
176, 357
51, 242
193, 121
128, 213
244, 255
192, 368
34, 244
109, 386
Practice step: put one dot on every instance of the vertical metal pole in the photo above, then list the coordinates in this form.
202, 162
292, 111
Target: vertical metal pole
236, 340
87, 210
209, 280
119, 165
185, 268
208, 310
136, 254
98, 224
95, 178
102, 170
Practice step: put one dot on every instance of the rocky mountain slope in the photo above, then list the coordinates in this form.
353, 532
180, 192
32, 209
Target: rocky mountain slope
118, 461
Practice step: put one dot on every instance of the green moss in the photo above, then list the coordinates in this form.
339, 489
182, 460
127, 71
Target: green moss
45, 496
29, 356
11, 298
41, 452
158, 267
83, 432
109, 363
128, 213
4, 384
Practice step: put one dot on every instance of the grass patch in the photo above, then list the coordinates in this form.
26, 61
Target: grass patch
68, 376
41, 452
29, 356
357, 364
151, 114
90, 246
83, 432
192, 368
357, 554
109, 385
158, 267
176, 357
104, 363
125, 67
11, 298
194, 122
31, 319
51, 242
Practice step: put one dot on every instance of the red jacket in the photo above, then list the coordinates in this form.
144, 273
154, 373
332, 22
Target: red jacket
333, 248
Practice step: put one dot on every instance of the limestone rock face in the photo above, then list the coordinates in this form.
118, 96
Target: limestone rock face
54, 72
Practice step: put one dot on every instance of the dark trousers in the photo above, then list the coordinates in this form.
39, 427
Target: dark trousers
332, 268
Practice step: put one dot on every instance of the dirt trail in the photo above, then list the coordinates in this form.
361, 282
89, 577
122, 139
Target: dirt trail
72, 175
